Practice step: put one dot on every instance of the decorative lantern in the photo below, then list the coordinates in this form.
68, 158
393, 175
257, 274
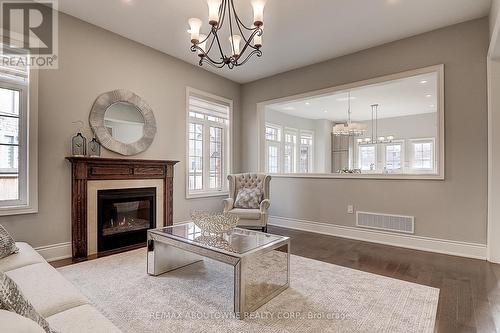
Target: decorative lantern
79, 145
94, 148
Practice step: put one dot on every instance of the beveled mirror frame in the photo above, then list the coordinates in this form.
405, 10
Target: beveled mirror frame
96, 120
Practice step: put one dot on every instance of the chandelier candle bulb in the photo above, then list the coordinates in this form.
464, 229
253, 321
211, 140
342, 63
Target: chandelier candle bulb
195, 26
213, 11
257, 41
258, 12
235, 41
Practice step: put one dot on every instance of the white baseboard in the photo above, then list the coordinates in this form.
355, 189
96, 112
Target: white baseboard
462, 249
55, 251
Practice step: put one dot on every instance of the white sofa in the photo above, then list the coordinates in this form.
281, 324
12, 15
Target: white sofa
55, 298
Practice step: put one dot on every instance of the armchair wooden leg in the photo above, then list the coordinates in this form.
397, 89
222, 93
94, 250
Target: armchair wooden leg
264, 229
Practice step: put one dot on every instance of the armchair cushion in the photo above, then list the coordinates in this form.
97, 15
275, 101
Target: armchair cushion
246, 214
248, 198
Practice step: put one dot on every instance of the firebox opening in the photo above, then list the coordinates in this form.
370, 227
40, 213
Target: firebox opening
124, 216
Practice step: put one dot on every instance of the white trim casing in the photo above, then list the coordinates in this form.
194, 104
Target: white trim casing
440, 137
456, 248
229, 160
31, 159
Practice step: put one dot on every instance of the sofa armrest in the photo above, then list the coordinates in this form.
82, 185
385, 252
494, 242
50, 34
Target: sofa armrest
14, 323
264, 206
228, 204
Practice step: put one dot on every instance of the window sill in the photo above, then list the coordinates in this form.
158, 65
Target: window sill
18, 210
365, 176
207, 195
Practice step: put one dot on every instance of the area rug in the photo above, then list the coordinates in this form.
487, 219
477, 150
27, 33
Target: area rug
198, 298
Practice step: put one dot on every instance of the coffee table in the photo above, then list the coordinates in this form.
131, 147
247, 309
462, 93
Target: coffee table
260, 261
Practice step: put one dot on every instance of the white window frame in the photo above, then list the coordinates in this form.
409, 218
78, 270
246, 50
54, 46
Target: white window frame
295, 148
384, 157
227, 147
376, 167
275, 143
411, 154
311, 150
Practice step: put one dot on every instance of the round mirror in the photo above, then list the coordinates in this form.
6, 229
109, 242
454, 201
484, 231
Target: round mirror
124, 122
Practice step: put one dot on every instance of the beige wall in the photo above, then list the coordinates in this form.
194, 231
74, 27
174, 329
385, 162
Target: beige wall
93, 61
453, 209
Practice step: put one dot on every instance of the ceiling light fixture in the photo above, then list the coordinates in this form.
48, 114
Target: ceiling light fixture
349, 128
210, 48
375, 139
423, 82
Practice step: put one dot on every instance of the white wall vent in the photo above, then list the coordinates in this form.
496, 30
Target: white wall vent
386, 222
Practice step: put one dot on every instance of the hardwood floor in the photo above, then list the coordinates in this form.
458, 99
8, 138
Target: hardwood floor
469, 299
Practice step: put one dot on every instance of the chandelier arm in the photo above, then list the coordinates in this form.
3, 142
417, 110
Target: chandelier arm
211, 44
231, 34
256, 52
196, 48
222, 15
247, 42
237, 18
211, 63
223, 57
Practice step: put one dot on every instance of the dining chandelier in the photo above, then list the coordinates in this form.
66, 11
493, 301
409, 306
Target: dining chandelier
375, 139
222, 14
349, 128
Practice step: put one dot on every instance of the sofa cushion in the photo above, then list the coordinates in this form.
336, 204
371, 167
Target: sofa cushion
82, 319
246, 214
15, 323
47, 290
12, 299
248, 198
26, 256
7, 243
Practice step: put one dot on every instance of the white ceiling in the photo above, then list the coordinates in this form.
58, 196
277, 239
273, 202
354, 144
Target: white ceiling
398, 98
297, 32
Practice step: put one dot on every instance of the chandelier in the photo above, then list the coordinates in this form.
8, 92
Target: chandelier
210, 49
375, 139
349, 128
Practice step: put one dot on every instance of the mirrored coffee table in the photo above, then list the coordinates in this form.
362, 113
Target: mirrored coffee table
260, 261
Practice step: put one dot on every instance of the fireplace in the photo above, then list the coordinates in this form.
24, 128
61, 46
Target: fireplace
124, 216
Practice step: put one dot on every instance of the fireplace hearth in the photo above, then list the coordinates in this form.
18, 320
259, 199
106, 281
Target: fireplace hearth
124, 216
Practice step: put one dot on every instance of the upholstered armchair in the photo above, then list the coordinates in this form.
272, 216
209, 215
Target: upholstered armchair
255, 217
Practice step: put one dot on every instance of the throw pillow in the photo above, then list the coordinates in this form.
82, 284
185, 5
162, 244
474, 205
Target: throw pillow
248, 198
7, 244
11, 299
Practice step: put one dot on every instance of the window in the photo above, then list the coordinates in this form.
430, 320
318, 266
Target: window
368, 158
305, 152
422, 155
273, 148
290, 151
208, 144
394, 157
14, 192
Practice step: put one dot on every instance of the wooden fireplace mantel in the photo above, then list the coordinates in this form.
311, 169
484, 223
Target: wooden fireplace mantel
86, 169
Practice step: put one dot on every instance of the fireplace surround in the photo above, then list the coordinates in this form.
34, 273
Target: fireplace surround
107, 174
